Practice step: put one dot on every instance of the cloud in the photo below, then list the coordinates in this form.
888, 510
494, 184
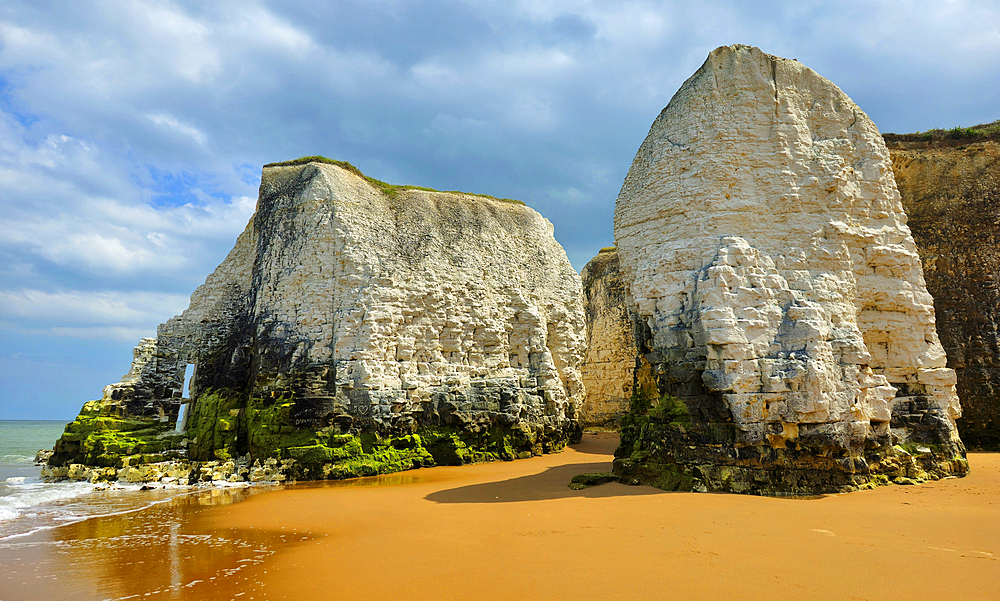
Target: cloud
69, 204
132, 131
171, 122
102, 314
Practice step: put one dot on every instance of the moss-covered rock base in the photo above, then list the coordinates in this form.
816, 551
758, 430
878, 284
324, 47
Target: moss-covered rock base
662, 446
234, 438
100, 436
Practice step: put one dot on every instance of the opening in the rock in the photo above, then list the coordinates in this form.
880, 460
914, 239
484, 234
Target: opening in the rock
188, 372
185, 395
181, 416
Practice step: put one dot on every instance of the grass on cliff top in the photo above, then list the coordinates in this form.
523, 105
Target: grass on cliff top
976, 133
390, 190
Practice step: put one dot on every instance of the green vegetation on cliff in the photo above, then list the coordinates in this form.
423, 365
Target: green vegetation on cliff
955, 135
390, 190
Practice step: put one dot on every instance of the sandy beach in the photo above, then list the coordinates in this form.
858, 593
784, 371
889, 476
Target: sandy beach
514, 530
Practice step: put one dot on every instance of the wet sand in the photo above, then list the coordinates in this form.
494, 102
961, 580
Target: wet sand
514, 530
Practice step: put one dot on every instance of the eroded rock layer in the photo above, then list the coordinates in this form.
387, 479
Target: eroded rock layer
610, 359
787, 323
358, 328
951, 192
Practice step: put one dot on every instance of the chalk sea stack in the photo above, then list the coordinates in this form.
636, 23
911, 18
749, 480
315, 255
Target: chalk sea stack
356, 328
787, 342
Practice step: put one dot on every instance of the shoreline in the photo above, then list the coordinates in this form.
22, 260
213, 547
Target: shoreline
515, 530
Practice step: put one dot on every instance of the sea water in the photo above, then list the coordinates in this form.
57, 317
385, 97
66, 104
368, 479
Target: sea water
21, 491
27, 504
61, 540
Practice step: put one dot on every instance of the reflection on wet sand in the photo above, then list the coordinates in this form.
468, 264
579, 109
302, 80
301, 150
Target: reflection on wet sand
383, 480
165, 550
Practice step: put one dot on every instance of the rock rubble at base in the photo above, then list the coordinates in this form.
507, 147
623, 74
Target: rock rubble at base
788, 342
242, 469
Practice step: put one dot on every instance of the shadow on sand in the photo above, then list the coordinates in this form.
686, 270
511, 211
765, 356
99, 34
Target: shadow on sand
550, 484
602, 443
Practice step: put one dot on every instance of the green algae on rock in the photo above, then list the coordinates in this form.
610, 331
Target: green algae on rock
102, 437
670, 450
325, 452
355, 332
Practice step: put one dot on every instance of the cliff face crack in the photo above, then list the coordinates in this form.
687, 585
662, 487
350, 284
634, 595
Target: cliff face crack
774, 81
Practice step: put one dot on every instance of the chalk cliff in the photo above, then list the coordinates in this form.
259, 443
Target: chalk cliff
951, 191
610, 359
788, 336
357, 328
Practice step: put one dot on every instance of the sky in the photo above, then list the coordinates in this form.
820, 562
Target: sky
132, 133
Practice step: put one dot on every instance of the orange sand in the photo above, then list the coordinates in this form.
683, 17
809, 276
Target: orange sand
515, 531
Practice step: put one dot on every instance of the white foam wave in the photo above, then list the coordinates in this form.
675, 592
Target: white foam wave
16, 480
31, 495
17, 459
36, 507
68, 511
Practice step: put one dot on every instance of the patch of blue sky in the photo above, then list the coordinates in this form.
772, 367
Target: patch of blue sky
15, 343
248, 174
10, 106
34, 371
178, 188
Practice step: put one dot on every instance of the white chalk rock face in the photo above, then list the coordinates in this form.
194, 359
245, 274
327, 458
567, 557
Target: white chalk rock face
388, 300
360, 328
765, 246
